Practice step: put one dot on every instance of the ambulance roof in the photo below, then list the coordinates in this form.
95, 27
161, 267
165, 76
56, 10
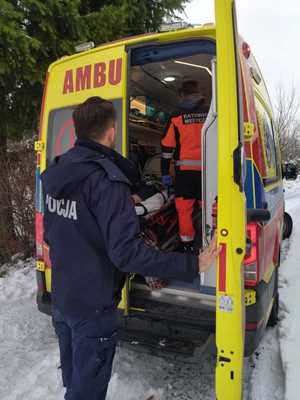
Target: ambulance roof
207, 30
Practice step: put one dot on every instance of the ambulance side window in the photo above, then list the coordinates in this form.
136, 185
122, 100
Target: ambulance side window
269, 145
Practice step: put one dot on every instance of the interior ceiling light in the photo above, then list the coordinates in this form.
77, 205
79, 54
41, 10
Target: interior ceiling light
169, 78
194, 65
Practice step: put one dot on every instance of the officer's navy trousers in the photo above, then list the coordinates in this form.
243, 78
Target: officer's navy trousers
87, 349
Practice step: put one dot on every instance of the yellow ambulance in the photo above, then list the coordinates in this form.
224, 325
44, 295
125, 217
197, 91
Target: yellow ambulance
241, 169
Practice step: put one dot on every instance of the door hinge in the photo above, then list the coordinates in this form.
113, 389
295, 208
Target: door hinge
40, 266
250, 297
39, 145
248, 130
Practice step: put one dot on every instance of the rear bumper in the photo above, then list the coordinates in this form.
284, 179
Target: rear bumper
144, 328
169, 331
151, 317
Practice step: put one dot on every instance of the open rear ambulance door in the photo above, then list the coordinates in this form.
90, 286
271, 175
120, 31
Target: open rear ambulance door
70, 81
230, 309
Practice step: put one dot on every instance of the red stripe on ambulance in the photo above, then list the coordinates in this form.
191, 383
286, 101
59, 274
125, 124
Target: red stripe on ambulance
222, 268
93, 76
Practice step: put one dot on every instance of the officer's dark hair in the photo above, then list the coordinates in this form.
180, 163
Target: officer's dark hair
93, 117
189, 87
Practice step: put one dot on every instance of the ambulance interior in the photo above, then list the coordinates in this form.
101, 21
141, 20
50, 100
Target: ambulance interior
154, 87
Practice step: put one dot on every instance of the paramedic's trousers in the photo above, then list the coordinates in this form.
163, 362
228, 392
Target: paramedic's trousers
87, 349
187, 193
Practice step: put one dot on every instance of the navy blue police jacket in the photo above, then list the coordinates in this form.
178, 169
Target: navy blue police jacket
92, 231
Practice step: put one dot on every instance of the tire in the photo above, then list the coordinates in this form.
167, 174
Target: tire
273, 318
287, 226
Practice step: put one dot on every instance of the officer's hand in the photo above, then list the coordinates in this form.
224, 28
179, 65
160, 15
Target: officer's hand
166, 180
208, 255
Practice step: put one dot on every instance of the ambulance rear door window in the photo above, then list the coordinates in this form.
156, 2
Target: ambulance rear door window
61, 133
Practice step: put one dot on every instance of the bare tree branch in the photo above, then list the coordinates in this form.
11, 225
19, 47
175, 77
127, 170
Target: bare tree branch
287, 122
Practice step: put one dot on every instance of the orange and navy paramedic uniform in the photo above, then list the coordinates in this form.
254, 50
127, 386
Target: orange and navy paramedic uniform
182, 142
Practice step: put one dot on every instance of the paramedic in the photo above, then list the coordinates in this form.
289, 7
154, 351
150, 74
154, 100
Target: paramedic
182, 141
92, 230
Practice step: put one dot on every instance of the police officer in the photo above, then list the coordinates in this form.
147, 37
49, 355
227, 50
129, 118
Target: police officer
182, 141
92, 230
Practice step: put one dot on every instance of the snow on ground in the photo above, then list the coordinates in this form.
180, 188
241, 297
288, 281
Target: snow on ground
289, 327
29, 353
264, 369
29, 356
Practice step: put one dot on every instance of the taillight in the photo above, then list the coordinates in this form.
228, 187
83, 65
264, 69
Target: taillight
251, 259
250, 274
39, 234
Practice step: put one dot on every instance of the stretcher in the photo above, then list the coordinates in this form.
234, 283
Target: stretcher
155, 206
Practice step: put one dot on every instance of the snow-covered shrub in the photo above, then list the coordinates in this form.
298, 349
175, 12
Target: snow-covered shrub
17, 180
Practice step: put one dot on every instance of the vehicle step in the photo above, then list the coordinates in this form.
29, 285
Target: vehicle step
163, 346
172, 313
